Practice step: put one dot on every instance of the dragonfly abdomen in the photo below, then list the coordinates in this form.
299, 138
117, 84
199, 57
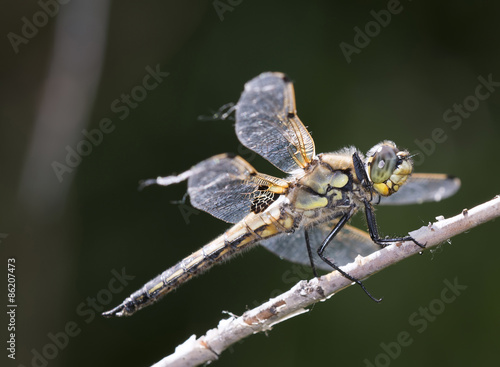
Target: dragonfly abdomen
241, 236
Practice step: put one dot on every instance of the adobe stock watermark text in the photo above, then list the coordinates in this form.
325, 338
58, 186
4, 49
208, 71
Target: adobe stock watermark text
121, 107
419, 321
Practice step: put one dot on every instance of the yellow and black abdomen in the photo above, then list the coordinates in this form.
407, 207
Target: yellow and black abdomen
242, 235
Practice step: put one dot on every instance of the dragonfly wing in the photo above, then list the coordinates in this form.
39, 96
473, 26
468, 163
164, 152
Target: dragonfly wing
423, 187
343, 249
229, 188
267, 122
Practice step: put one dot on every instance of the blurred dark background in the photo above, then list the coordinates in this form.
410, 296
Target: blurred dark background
71, 69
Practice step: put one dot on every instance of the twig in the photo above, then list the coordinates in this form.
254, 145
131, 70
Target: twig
196, 351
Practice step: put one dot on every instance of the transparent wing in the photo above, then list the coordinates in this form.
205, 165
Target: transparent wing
229, 188
349, 243
423, 187
267, 122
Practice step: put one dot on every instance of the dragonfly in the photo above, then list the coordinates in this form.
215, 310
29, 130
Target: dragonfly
302, 218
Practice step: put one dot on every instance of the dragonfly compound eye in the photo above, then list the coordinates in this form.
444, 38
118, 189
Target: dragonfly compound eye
383, 164
388, 167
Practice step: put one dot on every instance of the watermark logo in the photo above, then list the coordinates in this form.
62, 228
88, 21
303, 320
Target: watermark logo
30, 27
419, 320
222, 7
120, 106
88, 309
11, 307
363, 37
454, 117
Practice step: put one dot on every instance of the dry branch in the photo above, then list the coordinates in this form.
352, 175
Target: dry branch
196, 351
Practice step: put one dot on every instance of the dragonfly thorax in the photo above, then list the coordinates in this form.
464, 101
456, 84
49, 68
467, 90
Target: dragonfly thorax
322, 187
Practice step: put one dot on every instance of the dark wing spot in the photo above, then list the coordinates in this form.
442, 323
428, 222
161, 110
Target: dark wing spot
262, 200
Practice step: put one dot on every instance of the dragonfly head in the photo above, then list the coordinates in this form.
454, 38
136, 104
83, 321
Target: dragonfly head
388, 167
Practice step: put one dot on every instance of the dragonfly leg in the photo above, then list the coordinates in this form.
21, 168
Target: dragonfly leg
324, 245
359, 169
373, 229
309, 252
